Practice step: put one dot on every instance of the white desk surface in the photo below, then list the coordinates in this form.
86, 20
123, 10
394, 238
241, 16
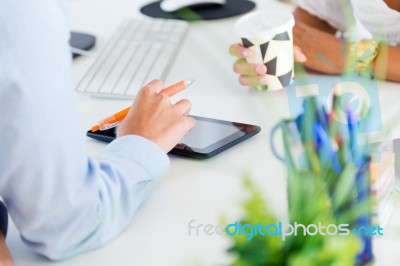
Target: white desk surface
200, 190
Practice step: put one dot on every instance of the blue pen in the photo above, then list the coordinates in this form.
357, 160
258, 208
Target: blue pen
352, 126
322, 116
325, 149
363, 193
362, 184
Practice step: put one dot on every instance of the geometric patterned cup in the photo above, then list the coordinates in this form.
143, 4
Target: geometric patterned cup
268, 33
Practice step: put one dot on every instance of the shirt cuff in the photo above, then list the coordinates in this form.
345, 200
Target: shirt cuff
131, 149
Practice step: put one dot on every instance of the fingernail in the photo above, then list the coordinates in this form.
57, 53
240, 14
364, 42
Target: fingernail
264, 80
247, 53
303, 58
261, 69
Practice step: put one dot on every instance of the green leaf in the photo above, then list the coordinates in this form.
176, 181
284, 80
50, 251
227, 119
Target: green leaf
345, 185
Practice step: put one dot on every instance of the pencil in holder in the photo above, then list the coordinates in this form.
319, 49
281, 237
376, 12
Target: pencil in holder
328, 168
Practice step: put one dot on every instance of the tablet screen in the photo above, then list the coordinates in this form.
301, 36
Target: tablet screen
206, 133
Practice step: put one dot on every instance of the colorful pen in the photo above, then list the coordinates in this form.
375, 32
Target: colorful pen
116, 118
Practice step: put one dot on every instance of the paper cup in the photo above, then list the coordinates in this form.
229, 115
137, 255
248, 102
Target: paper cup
268, 33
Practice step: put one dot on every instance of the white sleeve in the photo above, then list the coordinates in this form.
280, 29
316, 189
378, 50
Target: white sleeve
62, 201
336, 13
380, 20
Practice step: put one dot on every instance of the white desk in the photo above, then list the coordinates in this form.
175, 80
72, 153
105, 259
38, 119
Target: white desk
201, 190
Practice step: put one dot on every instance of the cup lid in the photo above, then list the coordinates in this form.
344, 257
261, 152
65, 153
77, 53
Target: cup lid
264, 23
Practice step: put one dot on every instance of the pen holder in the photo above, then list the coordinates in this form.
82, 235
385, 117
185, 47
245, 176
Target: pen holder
328, 178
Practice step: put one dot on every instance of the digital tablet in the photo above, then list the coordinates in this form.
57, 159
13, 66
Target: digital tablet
208, 138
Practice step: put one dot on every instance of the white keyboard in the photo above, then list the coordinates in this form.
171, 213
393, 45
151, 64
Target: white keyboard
140, 50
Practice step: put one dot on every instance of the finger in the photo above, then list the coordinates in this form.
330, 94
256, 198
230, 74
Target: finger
191, 122
298, 55
183, 106
154, 86
188, 123
243, 68
253, 81
183, 126
239, 51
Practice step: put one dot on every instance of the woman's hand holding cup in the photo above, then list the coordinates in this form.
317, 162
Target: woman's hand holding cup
265, 55
254, 75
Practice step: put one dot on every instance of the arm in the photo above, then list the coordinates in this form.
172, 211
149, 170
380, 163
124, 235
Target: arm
327, 54
63, 201
393, 4
317, 48
387, 63
317, 41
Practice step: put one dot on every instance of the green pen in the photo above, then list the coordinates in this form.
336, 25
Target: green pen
308, 138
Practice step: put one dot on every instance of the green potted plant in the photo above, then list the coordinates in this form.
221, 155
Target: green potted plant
328, 188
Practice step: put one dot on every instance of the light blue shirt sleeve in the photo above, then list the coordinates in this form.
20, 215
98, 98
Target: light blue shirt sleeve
63, 201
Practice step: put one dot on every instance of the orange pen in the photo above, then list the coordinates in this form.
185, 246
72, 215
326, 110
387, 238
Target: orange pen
116, 118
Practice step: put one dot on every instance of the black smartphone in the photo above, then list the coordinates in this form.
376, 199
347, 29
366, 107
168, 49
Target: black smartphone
81, 41
208, 138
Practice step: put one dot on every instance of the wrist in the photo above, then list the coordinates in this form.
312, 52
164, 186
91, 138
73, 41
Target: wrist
361, 57
380, 64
